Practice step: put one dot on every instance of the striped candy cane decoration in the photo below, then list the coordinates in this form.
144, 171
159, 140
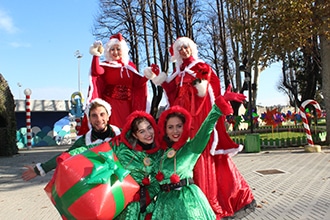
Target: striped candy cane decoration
27, 93
304, 117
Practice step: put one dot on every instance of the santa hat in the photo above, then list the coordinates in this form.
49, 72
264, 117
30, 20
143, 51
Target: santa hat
106, 105
117, 39
182, 41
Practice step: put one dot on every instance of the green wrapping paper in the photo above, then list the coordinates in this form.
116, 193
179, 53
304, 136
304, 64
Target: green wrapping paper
91, 185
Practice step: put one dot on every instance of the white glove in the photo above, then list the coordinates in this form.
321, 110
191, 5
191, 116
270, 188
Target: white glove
97, 43
201, 88
158, 80
96, 49
148, 73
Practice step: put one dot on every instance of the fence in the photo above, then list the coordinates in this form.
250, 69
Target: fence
275, 142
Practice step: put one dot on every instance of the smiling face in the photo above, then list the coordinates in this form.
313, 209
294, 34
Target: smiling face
145, 132
99, 117
185, 51
174, 128
115, 52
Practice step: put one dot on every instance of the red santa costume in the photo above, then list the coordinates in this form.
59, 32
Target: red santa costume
194, 86
117, 82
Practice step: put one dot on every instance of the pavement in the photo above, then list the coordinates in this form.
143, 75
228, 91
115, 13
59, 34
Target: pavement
287, 184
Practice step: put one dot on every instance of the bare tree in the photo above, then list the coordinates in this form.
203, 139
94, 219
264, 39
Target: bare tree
234, 33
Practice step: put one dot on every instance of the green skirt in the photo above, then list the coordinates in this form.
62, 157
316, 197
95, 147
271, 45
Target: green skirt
187, 203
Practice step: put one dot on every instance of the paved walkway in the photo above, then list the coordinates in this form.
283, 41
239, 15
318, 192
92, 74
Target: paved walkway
290, 184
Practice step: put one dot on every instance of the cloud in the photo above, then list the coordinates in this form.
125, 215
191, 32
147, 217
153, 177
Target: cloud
6, 23
17, 45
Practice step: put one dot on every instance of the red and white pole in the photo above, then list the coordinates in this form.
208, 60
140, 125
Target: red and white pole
27, 93
305, 120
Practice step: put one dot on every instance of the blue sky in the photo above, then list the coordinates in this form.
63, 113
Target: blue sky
38, 41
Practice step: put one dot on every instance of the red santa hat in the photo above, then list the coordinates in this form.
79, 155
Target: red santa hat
119, 40
182, 41
99, 101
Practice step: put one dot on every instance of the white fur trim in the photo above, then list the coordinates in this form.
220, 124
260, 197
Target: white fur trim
187, 69
201, 88
149, 97
231, 152
88, 136
158, 80
39, 167
215, 141
123, 47
172, 76
215, 132
183, 41
115, 64
106, 105
116, 129
94, 51
148, 73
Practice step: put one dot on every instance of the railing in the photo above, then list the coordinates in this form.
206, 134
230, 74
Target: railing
280, 142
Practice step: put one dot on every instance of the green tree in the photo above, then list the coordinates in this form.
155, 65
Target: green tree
297, 33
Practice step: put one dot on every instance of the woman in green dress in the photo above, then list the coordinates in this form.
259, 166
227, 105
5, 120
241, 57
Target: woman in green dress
138, 152
179, 197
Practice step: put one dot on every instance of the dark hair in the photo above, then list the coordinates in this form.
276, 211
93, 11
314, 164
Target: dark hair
94, 105
175, 114
134, 128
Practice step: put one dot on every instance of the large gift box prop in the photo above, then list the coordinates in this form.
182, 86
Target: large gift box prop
91, 185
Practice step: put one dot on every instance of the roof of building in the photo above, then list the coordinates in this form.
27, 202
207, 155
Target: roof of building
43, 105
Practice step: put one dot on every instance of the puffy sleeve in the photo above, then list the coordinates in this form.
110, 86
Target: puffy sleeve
202, 70
139, 91
96, 69
200, 140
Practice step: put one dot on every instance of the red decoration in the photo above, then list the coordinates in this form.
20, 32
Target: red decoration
148, 216
202, 70
270, 117
117, 36
175, 178
155, 69
159, 176
136, 196
146, 181
304, 112
171, 50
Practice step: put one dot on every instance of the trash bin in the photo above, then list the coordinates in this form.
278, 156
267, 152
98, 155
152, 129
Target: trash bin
252, 143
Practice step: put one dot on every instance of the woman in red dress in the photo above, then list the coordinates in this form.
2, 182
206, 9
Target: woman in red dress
116, 80
194, 86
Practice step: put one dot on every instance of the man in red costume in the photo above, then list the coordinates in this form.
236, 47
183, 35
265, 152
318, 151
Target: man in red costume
194, 86
116, 81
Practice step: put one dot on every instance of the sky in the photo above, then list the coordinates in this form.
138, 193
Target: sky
38, 42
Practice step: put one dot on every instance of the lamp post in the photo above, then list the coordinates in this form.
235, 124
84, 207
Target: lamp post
19, 90
78, 55
295, 92
247, 80
27, 93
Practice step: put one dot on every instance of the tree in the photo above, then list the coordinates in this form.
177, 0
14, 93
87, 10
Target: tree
325, 59
8, 145
297, 33
231, 34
